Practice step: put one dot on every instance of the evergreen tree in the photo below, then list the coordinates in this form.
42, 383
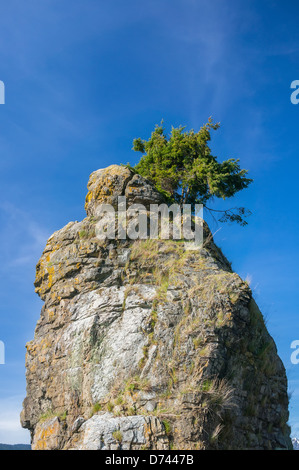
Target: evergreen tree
183, 168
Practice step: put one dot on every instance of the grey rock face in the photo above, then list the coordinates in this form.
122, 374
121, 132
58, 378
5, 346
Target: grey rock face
106, 432
146, 345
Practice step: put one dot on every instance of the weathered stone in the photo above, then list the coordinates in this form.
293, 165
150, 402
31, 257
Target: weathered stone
106, 432
147, 345
47, 435
106, 185
77, 424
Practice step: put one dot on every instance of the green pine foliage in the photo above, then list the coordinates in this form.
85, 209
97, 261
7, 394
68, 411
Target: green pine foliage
183, 168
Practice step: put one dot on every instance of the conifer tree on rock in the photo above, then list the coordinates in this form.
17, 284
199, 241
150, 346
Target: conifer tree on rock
183, 168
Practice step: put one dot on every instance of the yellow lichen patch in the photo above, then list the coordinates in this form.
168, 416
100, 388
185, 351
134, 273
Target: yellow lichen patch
51, 315
88, 199
147, 431
104, 183
46, 435
50, 278
38, 349
229, 316
30, 346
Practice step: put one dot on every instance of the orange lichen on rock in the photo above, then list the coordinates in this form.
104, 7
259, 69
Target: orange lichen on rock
47, 435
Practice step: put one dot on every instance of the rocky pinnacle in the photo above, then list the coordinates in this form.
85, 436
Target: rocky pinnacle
142, 344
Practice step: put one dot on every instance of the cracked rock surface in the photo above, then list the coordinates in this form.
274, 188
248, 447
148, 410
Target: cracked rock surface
147, 345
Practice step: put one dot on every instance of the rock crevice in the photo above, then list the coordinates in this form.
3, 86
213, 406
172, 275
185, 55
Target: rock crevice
146, 345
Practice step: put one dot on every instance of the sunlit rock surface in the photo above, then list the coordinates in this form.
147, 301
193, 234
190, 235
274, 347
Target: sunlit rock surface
146, 345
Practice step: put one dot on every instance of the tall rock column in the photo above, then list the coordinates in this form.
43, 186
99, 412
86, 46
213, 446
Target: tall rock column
146, 345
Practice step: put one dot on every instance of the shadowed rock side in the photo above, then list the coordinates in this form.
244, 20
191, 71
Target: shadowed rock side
145, 345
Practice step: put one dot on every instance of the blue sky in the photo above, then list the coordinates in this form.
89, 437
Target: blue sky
83, 78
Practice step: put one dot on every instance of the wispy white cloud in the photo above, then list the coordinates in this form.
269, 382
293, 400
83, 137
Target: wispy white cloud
11, 431
22, 237
207, 32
